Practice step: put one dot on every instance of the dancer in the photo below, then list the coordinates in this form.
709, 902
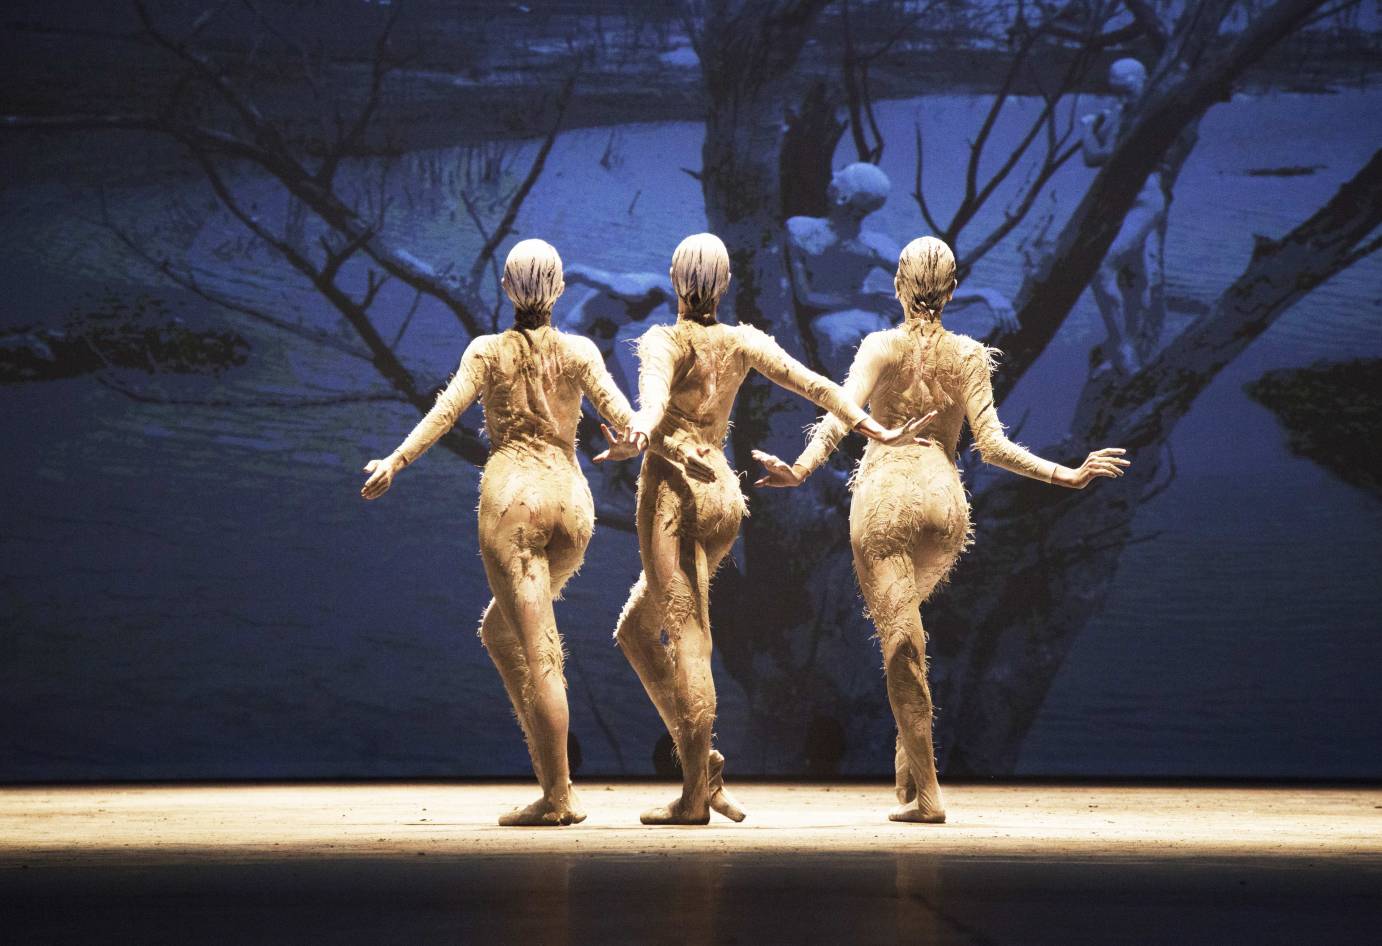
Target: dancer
1133, 265
908, 520
688, 516
831, 258
536, 512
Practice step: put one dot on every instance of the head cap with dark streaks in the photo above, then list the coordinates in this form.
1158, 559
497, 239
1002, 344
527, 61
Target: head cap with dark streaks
700, 274
533, 281
925, 277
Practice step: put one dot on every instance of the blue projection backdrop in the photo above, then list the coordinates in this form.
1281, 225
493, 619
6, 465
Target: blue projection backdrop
191, 587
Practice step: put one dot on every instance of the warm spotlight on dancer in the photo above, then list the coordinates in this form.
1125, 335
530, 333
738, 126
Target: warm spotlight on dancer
909, 520
689, 514
536, 512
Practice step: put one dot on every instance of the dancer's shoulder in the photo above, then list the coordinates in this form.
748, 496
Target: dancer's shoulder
961, 343
750, 332
971, 352
579, 346
480, 346
658, 341
752, 342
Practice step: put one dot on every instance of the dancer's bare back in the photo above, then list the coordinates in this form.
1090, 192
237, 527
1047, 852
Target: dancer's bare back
531, 382
924, 371
691, 373
918, 370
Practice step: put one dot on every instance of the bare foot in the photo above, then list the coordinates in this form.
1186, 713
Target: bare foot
720, 798
678, 812
916, 814
542, 814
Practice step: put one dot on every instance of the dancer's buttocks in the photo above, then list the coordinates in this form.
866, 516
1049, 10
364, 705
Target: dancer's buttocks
908, 500
707, 512
535, 499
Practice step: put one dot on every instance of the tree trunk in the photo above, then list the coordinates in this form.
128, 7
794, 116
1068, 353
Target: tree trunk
795, 543
808, 152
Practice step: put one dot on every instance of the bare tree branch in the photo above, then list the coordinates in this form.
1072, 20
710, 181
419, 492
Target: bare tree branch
186, 280
380, 67
919, 192
1092, 40
1280, 273
986, 633
1048, 294
1331, 12
1150, 23
215, 77
459, 441
407, 320
505, 225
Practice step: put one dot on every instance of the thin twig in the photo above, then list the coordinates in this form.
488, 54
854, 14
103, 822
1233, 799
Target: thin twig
505, 226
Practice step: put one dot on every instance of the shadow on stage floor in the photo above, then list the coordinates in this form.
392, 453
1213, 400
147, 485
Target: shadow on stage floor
814, 864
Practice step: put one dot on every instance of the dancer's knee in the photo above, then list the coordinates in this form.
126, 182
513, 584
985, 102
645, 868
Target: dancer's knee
498, 639
631, 628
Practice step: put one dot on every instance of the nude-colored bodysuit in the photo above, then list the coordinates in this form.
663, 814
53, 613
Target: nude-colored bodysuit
909, 519
690, 374
536, 510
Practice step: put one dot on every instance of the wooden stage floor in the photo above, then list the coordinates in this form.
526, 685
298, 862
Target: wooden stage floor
425, 862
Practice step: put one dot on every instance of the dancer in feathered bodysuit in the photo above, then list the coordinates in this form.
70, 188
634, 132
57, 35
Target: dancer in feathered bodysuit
536, 511
689, 515
909, 519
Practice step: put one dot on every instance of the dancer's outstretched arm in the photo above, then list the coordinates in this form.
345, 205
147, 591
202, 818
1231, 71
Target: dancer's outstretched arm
599, 387
657, 363
451, 404
772, 361
997, 449
869, 363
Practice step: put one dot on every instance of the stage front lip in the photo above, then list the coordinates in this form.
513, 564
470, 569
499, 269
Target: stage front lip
166, 823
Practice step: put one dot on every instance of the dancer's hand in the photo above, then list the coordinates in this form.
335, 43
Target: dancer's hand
909, 432
636, 434
694, 462
621, 447
381, 477
1106, 462
778, 473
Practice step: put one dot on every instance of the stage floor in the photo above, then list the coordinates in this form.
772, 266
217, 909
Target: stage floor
413, 863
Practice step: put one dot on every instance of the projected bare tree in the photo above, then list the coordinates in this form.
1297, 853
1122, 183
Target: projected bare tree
787, 615
216, 118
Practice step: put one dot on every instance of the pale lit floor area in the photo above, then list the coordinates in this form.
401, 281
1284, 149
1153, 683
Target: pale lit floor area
814, 863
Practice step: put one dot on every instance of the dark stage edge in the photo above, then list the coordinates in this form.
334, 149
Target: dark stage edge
815, 863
